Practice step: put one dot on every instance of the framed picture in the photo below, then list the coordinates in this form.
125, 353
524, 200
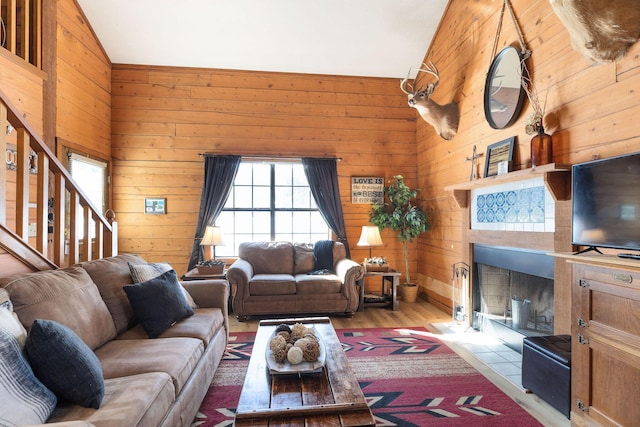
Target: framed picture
498, 153
155, 206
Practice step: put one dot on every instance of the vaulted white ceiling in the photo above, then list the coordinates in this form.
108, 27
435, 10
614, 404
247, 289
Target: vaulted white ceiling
377, 38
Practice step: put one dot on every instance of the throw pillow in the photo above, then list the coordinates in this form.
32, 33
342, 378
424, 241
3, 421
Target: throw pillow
143, 272
11, 324
158, 303
65, 364
25, 400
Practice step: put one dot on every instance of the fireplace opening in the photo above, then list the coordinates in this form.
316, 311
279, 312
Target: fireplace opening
512, 293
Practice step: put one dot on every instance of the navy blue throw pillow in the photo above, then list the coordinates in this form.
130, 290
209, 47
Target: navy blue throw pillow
158, 303
65, 364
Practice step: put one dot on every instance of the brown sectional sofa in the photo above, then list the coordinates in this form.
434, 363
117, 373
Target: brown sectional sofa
271, 278
148, 382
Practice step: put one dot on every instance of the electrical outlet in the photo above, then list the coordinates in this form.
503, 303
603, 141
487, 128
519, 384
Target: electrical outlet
33, 229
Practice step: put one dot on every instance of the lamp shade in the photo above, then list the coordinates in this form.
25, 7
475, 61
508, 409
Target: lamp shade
370, 236
212, 236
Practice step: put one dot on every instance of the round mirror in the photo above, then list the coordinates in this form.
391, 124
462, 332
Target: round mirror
503, 92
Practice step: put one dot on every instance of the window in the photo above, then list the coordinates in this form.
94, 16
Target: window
270, 201
91, 177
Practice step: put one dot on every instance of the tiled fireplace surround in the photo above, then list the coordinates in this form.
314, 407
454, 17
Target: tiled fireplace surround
521, 206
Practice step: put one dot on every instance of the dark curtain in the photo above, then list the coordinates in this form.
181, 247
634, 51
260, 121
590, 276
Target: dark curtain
219, 173
322, 175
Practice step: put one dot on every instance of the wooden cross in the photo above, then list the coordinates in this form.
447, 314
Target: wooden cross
474, 163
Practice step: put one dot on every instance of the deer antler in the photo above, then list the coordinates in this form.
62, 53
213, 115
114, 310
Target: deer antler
405, 82
430, 68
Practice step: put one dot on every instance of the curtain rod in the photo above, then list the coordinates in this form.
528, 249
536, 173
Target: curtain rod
278, 159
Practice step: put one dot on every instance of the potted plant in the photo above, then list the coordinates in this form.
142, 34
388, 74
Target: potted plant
406, 219
210, 267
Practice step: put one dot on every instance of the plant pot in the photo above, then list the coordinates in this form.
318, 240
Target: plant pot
210, 269
408, 293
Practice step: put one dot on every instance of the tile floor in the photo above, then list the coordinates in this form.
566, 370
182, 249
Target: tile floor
489, 350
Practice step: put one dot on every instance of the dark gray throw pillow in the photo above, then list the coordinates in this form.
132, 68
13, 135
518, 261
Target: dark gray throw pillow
158, 303
65, 364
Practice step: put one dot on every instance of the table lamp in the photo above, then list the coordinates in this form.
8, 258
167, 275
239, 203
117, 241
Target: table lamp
212, 237
370, 236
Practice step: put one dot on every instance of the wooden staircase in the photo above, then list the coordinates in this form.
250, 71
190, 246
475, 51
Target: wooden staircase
37, 189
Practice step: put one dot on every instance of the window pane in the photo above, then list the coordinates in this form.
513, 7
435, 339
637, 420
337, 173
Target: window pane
243, 197
261, 197
230, 200
317, 223
243, 177
262, 223
301, 197
301, 222
299, 178
243, 223
283, 174
261, 174
284, 222
284, 237
283, 198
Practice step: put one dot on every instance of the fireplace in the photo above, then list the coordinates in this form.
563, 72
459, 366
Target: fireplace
512, 293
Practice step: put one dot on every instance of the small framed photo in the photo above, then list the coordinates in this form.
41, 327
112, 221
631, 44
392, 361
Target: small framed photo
155, 206
498, 153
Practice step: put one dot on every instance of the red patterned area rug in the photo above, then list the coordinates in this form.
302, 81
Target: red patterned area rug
408, 376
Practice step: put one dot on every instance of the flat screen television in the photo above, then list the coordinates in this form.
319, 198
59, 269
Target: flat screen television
606, 203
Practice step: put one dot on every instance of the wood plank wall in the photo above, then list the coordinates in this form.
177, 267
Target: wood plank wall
163, 117
592, 111
83, 85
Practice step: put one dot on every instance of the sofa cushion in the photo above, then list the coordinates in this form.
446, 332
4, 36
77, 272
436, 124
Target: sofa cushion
65, 364
302, 258
175, 356
110, 275
135, 400
67, 296
143, 272
268, 257
203, 325
318, 284
158, 303
11, 324
25, 400
272, 284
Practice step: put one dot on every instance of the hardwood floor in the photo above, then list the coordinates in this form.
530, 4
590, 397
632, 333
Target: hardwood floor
424, 314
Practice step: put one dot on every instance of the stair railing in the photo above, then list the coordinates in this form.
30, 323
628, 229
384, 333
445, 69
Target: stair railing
57, 235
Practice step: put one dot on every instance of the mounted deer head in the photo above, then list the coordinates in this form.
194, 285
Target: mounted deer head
443, 118
600, 30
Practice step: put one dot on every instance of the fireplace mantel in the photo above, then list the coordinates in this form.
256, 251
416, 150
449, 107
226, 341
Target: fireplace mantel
557, 178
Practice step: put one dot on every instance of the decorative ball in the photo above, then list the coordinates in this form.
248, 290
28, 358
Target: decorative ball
298, 331
311, 351
286, 335
302, 342
311, 337
283, 327
277, 342
295, 355
280, 355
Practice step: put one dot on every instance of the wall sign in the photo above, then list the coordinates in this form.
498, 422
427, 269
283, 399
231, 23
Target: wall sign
367, 190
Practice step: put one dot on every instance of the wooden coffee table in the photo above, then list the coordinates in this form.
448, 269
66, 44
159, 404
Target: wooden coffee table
332, 397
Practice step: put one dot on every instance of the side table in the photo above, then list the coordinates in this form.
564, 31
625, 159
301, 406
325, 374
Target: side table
391, 277
194, 275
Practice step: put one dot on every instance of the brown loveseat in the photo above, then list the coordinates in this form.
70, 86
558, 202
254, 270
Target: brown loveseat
147, 382
272, 278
